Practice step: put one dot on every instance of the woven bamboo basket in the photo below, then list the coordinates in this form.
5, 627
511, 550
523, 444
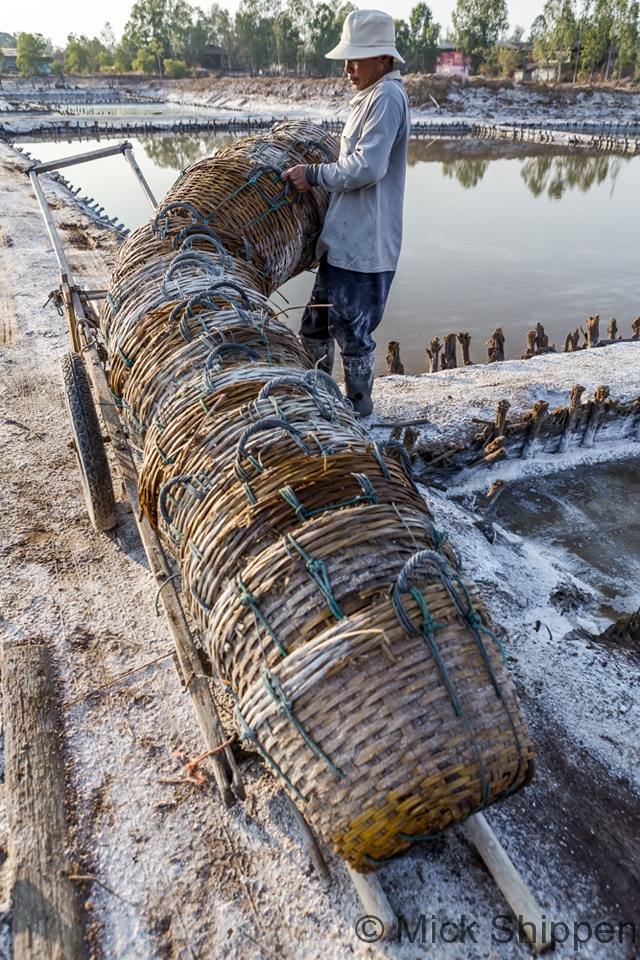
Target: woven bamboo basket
363, 663
392, 715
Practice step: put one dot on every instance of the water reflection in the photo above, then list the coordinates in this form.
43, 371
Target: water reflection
178, 153
496, 234
555, 175
545, 170
468, 173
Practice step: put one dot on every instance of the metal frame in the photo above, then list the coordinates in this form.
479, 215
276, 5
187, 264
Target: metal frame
83, 326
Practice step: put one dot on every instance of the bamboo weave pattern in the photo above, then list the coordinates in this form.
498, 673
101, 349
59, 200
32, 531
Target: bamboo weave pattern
362, 661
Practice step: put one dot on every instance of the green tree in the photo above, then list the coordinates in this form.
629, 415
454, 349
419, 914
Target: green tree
325, 27
555, 42
124, 55
286, 41
508, 60
608, 36
253, 33
625, 30
537, 28
403, 38
150, 26
146, 61
221, 31
174, 69
83, 55
31, 57
108, 38
424, 37
478, 25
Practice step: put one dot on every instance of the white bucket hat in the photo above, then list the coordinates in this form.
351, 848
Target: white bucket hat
366, 33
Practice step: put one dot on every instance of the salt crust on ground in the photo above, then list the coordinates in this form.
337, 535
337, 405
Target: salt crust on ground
265, 98
194, 880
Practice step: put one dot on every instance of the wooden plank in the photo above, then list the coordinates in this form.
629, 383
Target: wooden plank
516, 892
47, 912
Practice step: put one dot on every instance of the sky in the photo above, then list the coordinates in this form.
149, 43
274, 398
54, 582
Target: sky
56, 21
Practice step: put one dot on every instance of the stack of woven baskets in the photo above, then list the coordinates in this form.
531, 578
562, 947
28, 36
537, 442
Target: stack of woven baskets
362, 661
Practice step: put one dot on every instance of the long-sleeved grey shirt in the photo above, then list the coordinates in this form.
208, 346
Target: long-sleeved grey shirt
363, 226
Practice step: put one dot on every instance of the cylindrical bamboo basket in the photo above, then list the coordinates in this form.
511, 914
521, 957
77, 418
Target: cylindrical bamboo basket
362, 661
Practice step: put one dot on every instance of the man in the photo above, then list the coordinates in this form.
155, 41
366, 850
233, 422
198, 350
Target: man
359, 245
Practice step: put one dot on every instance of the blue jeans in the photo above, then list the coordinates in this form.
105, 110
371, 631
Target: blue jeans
357, 304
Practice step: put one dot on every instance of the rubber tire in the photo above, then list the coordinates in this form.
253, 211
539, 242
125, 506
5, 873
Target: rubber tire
89, 445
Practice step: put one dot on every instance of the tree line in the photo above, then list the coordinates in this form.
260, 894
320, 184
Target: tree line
579, 38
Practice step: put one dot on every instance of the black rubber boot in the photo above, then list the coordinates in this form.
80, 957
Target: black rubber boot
358, 381
322, 351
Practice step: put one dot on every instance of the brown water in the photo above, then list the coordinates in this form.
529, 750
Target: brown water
495, 235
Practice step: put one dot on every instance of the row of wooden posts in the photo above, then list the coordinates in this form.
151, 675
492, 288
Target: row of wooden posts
593, 141
443, 355
579, 424
119, 128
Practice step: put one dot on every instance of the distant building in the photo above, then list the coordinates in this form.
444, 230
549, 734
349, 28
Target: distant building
8, 60
452, 62
538, 72
214, 58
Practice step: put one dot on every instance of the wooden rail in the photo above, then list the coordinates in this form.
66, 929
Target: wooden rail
46, 906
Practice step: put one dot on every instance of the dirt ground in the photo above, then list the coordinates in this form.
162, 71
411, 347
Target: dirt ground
177, 875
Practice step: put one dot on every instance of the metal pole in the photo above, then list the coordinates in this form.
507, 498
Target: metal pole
138, 172
58, 249
79, 158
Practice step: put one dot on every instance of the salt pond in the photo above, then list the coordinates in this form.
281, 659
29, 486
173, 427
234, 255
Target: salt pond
495, 235
580, 519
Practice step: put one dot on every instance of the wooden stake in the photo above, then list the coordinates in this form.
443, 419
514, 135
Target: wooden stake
311, 845
409, 439
501, 418
612, 332
449, 361
571, 416
571, 341
47, 913
595, 415
593, 331
374, 899
535, 416
495, 352
495, 490
531, 345
515, 890
635, 329
433, 351
464, 339
394, 363
542, 340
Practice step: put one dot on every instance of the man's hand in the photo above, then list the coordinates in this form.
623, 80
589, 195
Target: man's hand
298, 177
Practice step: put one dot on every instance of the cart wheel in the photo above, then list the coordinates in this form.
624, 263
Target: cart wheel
88, 443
